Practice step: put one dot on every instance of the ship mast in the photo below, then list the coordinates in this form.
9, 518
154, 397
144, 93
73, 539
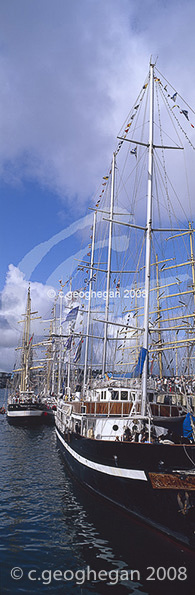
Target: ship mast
148, 240
89, 303
109, 267
26, 336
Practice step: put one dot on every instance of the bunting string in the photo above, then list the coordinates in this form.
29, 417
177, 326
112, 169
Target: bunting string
166, 95
131, 118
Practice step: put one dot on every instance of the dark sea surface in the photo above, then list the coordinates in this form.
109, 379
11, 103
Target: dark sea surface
49, 523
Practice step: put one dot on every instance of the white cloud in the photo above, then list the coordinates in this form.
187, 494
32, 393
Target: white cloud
13, 305
69, 73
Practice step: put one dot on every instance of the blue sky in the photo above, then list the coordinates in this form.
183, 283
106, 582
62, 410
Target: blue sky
70, 71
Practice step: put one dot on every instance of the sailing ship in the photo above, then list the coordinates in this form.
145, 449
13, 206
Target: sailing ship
129, 436
24, 406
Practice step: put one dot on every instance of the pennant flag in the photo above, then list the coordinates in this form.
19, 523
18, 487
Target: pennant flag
72, 314
31, 339
185, 113
105, 177
78, 351
107, 375
134, 151
88, 253
68, 343
174, 97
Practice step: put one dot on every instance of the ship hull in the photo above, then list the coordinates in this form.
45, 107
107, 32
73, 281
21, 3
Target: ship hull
139, 479
17, 415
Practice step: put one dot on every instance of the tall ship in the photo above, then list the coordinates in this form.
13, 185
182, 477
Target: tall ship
125, 422
24, 405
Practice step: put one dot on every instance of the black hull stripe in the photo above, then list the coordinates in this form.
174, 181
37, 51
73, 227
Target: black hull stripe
114, 471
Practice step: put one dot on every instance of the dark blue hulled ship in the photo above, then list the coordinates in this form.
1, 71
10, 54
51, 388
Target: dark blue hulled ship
130, 436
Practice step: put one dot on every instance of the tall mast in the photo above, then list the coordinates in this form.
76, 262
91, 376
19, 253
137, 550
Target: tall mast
53, 349
159, 314
60, 345
148, 239
109, 267
192, 261
49, 353
26, 335
89, 302
69, 357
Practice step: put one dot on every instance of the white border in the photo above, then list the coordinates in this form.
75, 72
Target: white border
24, 413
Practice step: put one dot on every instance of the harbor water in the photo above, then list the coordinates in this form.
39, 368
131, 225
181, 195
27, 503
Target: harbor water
55, 537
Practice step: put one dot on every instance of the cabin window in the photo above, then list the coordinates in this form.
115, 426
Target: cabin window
115, 428
114, 395
102, 394
124, 395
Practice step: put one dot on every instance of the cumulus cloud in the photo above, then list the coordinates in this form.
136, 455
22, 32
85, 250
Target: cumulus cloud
13, 305
69, 73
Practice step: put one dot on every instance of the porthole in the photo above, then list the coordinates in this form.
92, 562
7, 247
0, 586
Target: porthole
115, 428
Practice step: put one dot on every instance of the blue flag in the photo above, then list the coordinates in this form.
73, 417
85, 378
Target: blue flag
134, 151
140, 364
68, 343
174, 97
78, 351
72, 314
188, 422
185, 113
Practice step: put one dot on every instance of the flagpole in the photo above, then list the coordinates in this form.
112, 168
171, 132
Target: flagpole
109, 267
69, 359
60, 350
148, 241
53, 349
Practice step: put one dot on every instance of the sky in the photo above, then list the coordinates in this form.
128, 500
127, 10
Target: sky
69, 70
